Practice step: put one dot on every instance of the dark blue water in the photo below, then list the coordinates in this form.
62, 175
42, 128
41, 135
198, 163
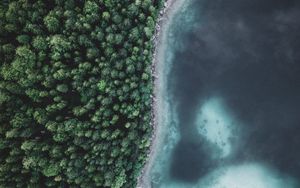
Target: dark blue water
238, 69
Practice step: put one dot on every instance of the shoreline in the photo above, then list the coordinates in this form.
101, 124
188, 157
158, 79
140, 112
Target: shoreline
170, 7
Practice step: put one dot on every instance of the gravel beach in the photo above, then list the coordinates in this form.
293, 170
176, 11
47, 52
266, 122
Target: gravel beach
159, 40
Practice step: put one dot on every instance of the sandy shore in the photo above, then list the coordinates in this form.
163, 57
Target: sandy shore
160, 44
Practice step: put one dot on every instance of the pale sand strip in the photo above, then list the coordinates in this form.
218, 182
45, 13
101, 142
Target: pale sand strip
160, 44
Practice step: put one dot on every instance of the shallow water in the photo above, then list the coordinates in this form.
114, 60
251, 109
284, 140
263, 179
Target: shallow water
233, 96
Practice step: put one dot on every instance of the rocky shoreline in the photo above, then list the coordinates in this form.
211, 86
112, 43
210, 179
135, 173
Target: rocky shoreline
159, 39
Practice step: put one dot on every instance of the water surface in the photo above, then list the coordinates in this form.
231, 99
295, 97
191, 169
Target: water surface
233, 96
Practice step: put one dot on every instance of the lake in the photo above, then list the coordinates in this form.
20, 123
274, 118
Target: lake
231, 96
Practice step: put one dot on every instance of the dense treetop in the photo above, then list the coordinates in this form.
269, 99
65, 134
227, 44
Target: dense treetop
75, 86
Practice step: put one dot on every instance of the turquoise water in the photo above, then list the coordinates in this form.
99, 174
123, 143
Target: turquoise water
231, 96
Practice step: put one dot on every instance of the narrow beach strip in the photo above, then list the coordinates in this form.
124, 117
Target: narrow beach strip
160, 43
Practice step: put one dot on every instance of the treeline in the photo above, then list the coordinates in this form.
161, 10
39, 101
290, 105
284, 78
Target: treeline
75, 86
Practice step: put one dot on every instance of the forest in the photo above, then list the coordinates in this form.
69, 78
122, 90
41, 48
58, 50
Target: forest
75, 91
